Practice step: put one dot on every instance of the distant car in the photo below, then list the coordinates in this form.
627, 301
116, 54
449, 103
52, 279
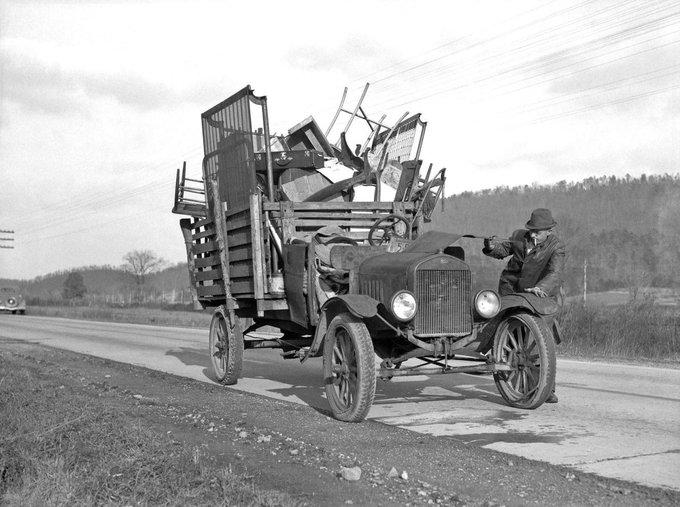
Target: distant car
11, 300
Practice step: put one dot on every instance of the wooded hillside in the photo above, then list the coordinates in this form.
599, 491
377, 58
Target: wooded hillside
627, 229
112, 284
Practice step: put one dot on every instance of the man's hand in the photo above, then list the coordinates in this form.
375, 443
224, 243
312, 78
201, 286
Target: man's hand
537, 291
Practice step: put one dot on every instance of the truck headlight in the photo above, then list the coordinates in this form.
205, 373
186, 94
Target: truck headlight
487, 303
404, 305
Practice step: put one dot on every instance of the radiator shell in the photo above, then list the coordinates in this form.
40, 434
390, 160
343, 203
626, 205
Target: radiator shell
440, 283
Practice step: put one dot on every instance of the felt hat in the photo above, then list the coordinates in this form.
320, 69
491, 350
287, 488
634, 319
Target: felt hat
540, 220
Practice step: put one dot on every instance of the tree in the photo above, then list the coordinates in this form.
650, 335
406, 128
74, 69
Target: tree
141, 263
74, 286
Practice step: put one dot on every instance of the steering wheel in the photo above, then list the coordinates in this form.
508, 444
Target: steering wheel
388, 227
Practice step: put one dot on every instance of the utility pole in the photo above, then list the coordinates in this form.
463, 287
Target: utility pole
6, 241
585, 280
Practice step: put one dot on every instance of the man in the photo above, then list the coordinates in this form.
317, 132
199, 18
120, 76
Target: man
537, 261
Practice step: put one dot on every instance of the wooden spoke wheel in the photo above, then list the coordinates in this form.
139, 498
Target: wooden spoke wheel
225, 347
526, 343
349, 368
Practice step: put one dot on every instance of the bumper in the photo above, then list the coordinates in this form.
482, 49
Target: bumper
17, 308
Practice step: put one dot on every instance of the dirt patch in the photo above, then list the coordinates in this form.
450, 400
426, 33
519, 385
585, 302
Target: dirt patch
134, 421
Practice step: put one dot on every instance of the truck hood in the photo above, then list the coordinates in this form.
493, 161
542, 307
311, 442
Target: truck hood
432, 242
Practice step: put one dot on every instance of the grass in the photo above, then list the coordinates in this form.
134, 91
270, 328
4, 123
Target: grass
662, 296
132, 315
635, 330
59, 446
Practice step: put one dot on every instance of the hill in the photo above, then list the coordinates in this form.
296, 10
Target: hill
111, 284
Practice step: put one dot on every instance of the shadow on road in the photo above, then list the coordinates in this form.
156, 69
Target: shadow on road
430, 404
304, 381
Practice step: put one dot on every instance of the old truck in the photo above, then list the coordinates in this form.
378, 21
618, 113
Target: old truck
273, 243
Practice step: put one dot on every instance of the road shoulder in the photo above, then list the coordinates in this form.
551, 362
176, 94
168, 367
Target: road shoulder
299, 451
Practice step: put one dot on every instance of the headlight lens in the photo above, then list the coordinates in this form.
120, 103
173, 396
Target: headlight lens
487, 303
404, 305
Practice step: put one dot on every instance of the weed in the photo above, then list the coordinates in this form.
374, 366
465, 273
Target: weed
636, 330
132, 315
58, 445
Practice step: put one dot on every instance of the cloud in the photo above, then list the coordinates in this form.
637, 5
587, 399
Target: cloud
49, 88
566, 163
352, 56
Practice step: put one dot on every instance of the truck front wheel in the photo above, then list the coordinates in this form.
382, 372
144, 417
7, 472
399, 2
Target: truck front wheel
349, 368
524, 342
225, 347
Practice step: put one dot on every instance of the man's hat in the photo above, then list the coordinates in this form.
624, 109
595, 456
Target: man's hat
541, 219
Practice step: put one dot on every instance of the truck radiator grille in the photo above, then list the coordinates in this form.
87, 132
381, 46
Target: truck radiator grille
443, 302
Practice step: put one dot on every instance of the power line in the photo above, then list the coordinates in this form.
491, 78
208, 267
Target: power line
548, 79
105, 199
600, 88
608, 103
566, 57
615, 13
544, 60
551, 15
6, 231
460, 39
574, 53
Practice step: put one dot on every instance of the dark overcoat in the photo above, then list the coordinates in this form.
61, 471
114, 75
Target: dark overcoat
539, 266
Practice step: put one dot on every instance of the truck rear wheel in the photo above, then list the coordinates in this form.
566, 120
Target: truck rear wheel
225, 347
524, 342
349, 368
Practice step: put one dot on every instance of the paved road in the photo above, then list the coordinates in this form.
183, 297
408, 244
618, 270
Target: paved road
615, 420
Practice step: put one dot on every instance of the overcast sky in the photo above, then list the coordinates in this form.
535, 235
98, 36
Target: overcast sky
100, 102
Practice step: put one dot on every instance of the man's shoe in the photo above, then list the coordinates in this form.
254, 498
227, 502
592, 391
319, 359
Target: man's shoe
552, 398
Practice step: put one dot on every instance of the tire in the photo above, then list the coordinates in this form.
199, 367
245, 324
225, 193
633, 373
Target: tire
525, 342
22, 312
225, 347
349, 368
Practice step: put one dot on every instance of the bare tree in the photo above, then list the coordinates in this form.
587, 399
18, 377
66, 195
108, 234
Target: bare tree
74, 286
141, 263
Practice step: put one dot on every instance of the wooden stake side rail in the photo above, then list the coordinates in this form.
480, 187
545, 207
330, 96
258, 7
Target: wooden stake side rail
205, 262
207, 275
213, 274
245, 283
304, 218
204, 234
339, 206
347, 222
211, 290
363, 215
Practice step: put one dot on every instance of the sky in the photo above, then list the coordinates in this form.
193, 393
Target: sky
100, 101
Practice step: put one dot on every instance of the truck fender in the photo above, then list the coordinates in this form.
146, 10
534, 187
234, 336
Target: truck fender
539, 306
358, 305
546, 308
